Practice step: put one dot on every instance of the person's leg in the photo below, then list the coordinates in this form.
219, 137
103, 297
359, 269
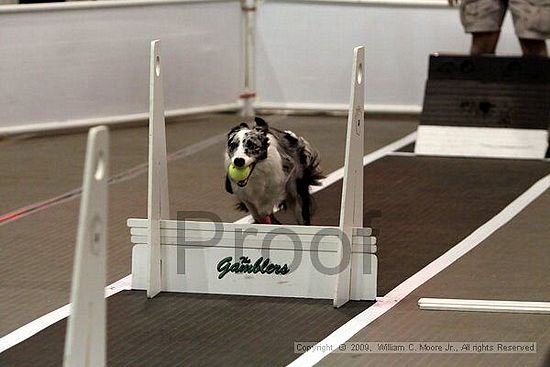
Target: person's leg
483, 19
532, 24
532, 47
484, 42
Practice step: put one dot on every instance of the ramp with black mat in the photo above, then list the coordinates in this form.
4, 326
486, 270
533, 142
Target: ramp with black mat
486, 106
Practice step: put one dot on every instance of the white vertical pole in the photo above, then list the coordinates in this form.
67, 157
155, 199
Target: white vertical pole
85, 337
157, 199
351, 210
249, 34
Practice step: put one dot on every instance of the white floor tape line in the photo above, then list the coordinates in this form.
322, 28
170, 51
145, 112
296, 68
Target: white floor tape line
41, 323
384, 304
19, 335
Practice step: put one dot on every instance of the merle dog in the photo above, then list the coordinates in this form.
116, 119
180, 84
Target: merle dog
283, 167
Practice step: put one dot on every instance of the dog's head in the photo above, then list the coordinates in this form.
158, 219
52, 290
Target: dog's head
247, 146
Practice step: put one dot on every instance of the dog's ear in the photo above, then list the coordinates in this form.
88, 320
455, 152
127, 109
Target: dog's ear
260, 123
228, 187
242, 125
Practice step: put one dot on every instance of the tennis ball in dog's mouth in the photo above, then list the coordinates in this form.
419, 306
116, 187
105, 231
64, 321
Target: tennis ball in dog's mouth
238, 174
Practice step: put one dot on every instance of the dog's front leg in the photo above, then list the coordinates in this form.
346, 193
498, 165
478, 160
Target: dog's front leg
253, 212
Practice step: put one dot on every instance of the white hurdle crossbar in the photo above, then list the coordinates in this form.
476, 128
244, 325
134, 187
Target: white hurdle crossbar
328, 262
85, 338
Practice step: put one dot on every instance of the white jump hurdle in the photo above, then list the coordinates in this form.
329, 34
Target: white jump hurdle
337, 262
85, 338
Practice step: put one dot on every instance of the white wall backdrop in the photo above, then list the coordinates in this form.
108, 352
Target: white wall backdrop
93, 63
304, 51
86, 62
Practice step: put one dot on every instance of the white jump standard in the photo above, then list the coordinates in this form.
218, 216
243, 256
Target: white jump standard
327, 262
85, 340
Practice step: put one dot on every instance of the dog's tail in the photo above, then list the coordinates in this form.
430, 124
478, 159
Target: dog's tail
309, 158
311, 176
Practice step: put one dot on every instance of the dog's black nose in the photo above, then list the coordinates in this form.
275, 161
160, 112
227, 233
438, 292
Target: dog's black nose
238, 162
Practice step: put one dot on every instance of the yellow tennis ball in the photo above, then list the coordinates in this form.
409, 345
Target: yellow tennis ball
238, 173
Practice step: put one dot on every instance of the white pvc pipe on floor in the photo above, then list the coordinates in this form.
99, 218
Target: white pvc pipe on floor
446, 304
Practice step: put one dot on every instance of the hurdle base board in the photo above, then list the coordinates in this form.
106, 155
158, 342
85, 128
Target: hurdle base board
489, 142
201, 274
284, 242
